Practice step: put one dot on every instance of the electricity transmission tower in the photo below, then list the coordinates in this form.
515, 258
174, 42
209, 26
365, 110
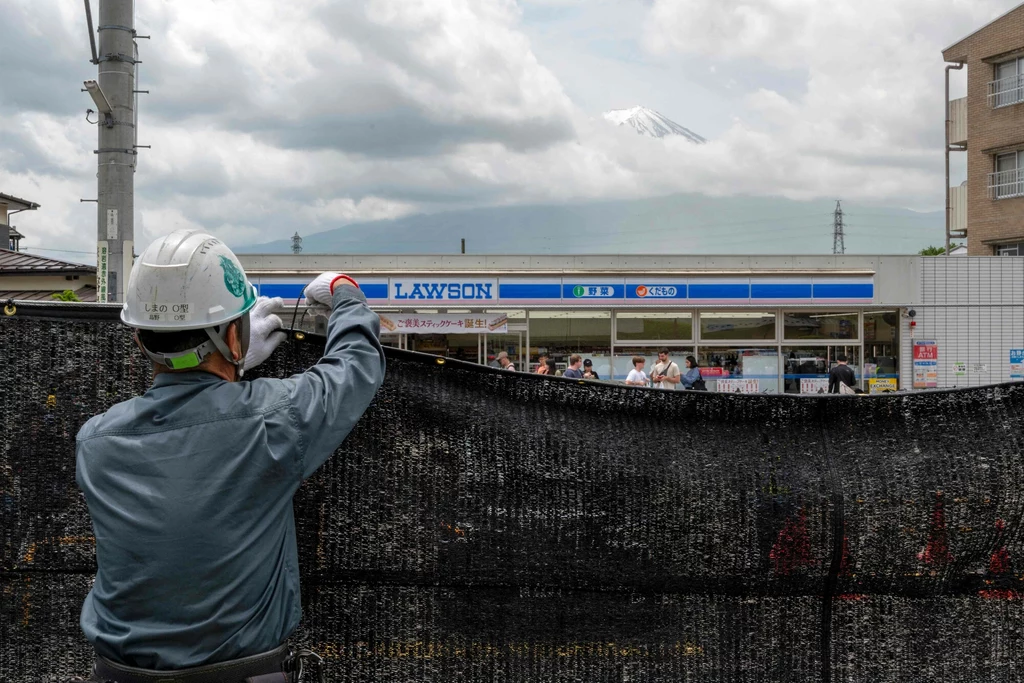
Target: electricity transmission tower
296, 243
838, 245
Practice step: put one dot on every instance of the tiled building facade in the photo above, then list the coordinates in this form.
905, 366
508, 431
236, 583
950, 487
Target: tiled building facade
993, 137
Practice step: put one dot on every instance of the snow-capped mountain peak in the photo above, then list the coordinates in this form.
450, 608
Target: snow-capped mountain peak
650, 123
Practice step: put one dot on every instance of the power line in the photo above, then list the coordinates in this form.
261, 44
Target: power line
63, 251
912, 216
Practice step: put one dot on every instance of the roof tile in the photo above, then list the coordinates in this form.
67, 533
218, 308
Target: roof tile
22, 262
87, 294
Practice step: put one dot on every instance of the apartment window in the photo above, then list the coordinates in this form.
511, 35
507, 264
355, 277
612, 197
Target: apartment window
1007, 179
1008, 86
1010, 249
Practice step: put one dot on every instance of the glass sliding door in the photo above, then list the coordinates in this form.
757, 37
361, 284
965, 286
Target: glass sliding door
806, 368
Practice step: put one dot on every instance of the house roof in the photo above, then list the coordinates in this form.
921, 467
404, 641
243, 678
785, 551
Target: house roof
22, 263
982, 28
23, 203
87, 293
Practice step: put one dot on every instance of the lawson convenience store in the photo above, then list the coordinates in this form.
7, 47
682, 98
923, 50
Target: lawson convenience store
755, 324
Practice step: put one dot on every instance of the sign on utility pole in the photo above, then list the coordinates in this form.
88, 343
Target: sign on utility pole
116, 152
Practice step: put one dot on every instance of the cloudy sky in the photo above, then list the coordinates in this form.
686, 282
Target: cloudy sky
269, 117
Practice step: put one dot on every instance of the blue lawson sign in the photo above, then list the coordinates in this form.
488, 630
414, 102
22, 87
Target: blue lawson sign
444, 290
630, 290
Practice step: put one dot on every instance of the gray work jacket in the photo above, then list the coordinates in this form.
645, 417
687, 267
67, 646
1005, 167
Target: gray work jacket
190, 488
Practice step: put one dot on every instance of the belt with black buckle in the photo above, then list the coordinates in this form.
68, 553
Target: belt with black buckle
281, 665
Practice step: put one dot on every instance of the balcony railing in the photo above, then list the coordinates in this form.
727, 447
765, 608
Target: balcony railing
1006, 91
958, 211
1005, 184
958, 121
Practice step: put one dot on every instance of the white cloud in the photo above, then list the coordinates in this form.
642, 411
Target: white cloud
347, 210
872, 96
307, 116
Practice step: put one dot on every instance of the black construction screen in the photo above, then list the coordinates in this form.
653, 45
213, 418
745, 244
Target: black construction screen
481, 525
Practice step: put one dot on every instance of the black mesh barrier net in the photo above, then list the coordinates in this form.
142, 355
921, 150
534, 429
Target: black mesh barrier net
481, 525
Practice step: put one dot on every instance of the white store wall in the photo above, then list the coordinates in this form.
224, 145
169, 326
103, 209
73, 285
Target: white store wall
973, 307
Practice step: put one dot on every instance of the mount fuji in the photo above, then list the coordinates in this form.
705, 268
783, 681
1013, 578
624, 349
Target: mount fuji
650, 123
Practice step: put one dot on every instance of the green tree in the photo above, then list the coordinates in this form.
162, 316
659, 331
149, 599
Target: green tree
66, 295
937, 251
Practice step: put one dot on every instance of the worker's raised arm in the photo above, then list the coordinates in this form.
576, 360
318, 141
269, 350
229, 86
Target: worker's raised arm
328, 399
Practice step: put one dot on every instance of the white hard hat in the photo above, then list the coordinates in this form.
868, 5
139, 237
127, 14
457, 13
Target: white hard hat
188, 280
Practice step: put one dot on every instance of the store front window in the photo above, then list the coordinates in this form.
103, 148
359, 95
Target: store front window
882, 350
512, 340
480, 336
806, 367
511, 343
750, 370
798, 325
754, 325
653, 326
458, 346
563, 333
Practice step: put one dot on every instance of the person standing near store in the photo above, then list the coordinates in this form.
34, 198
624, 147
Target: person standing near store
692, 374
637, 377
574, 372
542, 368
841, 373
588, 370
504, 362
666, 373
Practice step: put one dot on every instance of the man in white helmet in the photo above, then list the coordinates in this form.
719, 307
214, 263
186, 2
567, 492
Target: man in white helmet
190, 485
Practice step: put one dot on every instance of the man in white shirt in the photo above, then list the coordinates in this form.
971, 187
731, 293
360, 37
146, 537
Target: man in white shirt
637, 377
666, 373
504, 362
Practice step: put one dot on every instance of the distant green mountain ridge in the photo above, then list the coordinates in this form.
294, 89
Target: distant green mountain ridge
677, 224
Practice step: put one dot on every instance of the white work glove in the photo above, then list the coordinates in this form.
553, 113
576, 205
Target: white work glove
318, 292
319, 298
265, 331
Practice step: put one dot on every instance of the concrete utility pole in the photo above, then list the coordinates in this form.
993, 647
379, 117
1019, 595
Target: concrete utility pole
838, 239
116, 152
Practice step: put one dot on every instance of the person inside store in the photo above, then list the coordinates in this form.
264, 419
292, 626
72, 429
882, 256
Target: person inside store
666, 373
542, 367
840, 374
692, 375
588, 370
637, 377
573, 371
504, 362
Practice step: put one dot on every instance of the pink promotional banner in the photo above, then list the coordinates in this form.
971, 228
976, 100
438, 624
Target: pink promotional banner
444, 323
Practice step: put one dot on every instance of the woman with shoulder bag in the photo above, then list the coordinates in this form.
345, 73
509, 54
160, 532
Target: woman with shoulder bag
692, 378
